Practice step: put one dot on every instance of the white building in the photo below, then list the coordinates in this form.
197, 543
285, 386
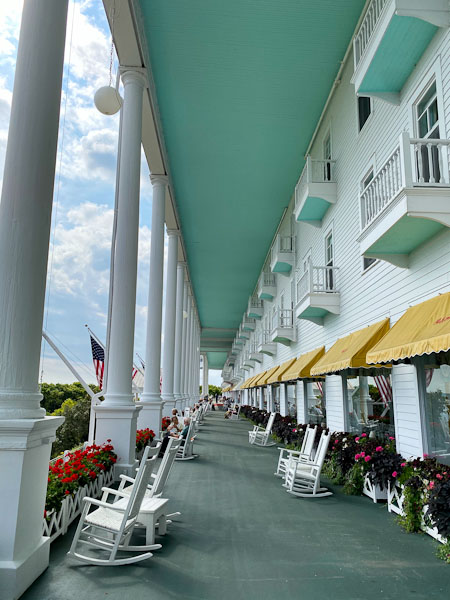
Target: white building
298, 156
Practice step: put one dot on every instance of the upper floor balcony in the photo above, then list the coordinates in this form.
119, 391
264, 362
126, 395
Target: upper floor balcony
315, 191
390, 41
248, 324
235, 349
408, 200
255, 354
283, 327
247, 363
255, 308
243, 333
282, 254
265, 343
317, 294
227, 374
267, 286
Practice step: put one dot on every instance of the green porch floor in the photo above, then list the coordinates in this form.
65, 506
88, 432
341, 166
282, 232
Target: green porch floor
242, 536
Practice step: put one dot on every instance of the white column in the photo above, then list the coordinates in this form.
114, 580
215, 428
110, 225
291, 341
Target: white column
283, 400
116, 417
151, 402
188, 355
184, 348
336, 390
178, 336
408, 385
302, 402
205, 386
170, 323
25, 216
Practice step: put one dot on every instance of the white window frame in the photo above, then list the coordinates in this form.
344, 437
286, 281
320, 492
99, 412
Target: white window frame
431, 73
370, 168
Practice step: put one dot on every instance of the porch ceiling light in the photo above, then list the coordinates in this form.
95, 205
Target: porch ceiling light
108, 100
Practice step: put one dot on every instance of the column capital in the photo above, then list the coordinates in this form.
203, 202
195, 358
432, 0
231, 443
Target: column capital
162, 179
134, 75
181, 264
173, 232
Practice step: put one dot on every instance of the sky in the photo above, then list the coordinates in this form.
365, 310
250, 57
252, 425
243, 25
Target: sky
79, 256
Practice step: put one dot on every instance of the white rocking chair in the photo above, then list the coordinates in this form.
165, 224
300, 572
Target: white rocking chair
303, 478
303, 455
235, 413
260, 435
109, 527
185, 450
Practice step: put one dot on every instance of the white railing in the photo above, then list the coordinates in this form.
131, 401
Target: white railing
315, 171
415, 162
249, 322
265, 337
316, 280
283, 319
267, 279
255, 302
365, 32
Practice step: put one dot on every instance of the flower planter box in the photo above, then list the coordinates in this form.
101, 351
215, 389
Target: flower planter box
57, 523
374, 491
395, 505
395, 499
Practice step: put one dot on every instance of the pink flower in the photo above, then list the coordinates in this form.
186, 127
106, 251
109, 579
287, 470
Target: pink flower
362, 455
294, 431
364, 435
403, 465
379, 449
336, 441
425, 455
394, 474
357, 456
439, 476
391, 438
367, 458
356, 439
431, 486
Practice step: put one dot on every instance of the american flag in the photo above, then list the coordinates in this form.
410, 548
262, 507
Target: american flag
134, 372
98, 356
428, 376
384, 387
320, 387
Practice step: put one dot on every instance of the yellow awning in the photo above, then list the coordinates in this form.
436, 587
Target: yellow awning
301, 368
255, 382
267, 375
423, 329
350, 352
252, 382
277, 375
246, 382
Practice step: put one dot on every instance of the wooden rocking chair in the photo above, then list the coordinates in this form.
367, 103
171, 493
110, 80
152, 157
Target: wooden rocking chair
109, 527
303, 455
260, 435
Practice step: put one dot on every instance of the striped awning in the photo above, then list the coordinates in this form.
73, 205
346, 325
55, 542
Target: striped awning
277, 375
301, 368
423, 329
350, 352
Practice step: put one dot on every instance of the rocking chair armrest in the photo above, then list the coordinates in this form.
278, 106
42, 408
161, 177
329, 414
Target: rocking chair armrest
126, 478
107, 491
102, 504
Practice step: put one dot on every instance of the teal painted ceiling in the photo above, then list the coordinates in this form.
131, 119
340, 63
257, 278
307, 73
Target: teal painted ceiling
240, 86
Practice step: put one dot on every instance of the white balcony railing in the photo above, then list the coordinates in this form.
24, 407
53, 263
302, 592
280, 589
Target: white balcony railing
315, 171
283, 318
414, 163
316, 280
255, 302
267, 279
367, 28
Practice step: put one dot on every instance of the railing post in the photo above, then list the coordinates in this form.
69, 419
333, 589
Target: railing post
405, 160
311, 279
308, 169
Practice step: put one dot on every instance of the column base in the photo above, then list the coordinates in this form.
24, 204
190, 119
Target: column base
118, 424
151, 416
24, 456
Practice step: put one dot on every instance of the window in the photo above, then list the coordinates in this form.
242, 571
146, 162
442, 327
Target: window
291, 391
316, 403
364, 110
367, 262
327, 157
329, 262
369, 406
427, 127
437, 411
